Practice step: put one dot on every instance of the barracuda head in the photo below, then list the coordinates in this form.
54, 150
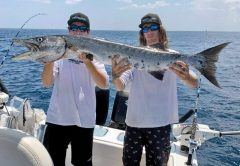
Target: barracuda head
42, 49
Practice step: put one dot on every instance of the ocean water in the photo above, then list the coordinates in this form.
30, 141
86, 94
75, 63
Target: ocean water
218, 108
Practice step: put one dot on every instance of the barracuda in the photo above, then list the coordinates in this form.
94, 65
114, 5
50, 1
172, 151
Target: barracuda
51, 48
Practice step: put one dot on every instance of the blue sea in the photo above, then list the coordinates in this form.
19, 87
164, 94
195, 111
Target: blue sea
218, 108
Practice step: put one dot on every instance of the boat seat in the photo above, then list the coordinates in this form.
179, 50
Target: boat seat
20, 149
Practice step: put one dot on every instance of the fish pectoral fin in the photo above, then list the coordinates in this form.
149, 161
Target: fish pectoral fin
72, 48
159, 74
89, 56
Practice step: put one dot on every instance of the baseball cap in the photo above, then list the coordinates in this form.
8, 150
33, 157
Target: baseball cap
150, 18
79, 17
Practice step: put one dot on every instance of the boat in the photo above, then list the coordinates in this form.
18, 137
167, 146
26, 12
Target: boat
21, 146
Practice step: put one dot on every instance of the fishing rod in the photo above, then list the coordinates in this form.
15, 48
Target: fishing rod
3, 60
2, 87
194, 144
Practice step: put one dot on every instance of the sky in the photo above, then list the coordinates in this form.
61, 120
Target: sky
176, 15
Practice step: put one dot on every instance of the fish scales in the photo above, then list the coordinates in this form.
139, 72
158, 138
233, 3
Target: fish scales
51, 48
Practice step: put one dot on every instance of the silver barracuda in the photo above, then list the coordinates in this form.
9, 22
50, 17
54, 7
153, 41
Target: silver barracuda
51, 48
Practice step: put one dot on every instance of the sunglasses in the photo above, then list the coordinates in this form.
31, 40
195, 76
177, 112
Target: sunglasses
152, 27
82, 28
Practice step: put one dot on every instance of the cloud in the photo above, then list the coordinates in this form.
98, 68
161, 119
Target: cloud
233, 5
216, 5
227, 10
43, 1
154, 5
125, 1
70, 2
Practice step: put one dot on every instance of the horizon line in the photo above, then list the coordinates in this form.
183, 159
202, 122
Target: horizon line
129, 30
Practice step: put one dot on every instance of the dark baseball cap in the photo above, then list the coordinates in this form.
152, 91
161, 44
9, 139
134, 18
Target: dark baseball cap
150, 18
79, 17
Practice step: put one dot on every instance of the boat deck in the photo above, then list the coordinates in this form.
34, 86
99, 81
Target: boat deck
108, 144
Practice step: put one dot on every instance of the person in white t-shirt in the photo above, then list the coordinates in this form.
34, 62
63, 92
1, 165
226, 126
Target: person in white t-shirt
152, 102
72, 109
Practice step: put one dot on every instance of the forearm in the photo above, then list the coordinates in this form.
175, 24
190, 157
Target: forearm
47, 74
118, 68
192, 81
118, 84
99, 78
181, 69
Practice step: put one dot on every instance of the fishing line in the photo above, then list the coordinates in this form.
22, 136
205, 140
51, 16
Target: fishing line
3, 60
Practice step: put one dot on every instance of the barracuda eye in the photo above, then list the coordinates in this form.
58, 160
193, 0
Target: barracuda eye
39, 39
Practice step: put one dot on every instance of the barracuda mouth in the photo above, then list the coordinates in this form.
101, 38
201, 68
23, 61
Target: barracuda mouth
33, 47
30, 45
23, 56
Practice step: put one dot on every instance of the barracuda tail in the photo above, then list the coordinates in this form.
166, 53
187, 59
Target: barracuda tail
206, 65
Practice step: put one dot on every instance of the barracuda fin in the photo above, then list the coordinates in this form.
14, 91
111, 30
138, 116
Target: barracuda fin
208, 68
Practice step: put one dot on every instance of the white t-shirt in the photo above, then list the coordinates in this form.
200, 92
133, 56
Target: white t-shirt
151, 102
73, 100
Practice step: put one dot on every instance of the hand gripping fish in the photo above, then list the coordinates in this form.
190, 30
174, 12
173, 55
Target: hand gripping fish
51, 48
